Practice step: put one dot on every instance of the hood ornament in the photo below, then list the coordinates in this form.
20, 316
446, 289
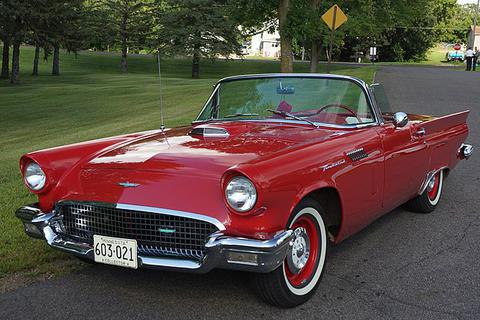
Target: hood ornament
128, 184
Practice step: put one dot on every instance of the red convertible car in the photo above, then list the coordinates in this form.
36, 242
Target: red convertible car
274, 168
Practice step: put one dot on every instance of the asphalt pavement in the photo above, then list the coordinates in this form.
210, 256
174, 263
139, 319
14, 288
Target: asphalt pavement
403, 266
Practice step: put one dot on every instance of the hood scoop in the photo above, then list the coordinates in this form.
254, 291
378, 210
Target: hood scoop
209, 132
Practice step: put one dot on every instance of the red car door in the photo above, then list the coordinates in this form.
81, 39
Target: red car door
406, 162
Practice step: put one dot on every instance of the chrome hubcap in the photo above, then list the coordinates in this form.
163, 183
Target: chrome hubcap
431, 184
300, 251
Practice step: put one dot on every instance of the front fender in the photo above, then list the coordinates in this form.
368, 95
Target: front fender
59, 161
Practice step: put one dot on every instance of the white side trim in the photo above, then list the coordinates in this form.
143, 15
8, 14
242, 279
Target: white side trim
321, 263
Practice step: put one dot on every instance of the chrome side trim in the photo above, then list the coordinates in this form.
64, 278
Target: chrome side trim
176, 213
429, 176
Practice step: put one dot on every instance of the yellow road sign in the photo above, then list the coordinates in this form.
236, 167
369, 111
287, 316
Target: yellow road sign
334, 17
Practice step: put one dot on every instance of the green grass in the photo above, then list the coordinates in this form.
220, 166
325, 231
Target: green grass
90, 100
435, 57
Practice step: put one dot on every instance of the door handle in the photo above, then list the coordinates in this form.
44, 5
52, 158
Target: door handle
420, 132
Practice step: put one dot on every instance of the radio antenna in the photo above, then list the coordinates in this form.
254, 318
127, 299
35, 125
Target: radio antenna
162, 124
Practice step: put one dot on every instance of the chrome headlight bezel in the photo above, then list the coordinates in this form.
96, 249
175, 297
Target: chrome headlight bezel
241, 194
34, 177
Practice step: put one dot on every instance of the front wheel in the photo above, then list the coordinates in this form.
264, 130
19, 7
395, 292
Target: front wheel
296, 280
428, 200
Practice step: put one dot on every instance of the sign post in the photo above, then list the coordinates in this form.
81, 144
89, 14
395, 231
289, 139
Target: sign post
373, 54
334, 18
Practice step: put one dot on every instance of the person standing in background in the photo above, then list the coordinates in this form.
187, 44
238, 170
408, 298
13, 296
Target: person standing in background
475, 59
469, 57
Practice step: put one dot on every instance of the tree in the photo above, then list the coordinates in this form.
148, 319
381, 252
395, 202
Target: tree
38, 26
131, 22
316, 42
286, 54
5, 37
17, 12
458, 23
98, 24
62, 27
5, 74
253, 14
306, 26
199, 28
417, 27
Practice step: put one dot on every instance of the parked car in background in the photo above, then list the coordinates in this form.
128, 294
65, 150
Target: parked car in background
274, 169
454, 56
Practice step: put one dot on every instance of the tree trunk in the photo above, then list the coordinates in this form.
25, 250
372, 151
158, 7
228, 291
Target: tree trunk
123, 62
196, 66
35, 61
123, 34
286, 59
56, 60
316, 44
5, 59
316, 47
15, 75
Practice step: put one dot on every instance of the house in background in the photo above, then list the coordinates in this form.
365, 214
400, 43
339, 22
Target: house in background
265, 44
474, 37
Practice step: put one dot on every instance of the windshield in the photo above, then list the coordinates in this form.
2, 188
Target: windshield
320, 100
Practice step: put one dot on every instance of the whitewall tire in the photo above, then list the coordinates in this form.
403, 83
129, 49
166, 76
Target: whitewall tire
296, 280
429, 199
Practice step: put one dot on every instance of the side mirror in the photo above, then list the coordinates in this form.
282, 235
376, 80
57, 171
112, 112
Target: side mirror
400, 119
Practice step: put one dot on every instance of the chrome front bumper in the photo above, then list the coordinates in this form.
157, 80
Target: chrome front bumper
222, 251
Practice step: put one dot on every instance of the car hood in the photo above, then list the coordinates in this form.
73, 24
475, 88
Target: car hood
183, 171
178, 152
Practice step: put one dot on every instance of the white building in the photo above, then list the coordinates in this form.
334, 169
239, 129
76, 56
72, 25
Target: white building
265, 44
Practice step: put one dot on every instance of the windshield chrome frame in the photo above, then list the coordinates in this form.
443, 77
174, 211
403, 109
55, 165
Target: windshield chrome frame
378, 119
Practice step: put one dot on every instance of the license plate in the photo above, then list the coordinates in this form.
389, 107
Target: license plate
115, 251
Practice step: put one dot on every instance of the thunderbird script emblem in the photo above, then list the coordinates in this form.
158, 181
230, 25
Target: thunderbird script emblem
128, 184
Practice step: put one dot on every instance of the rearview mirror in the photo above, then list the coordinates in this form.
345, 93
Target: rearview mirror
285, 90
400, 119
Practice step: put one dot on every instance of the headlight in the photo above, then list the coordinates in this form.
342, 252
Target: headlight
34, 176
241, 194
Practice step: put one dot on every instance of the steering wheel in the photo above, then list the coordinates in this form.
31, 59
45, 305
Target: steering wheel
341, 106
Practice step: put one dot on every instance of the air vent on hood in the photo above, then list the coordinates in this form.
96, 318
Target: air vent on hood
209, 132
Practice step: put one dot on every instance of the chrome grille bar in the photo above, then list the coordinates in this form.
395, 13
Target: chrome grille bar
157, 233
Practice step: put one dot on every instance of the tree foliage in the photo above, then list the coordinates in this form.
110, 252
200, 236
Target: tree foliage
198, 28
401, 29
130, 21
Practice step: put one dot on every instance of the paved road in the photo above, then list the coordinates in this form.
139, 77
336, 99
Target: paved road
404, 266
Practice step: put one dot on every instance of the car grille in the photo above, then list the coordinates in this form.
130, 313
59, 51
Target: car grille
157, 234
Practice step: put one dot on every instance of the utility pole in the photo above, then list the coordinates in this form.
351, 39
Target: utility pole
475, 24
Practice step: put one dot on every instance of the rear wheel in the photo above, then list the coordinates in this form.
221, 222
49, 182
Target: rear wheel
428, 200
296, 280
